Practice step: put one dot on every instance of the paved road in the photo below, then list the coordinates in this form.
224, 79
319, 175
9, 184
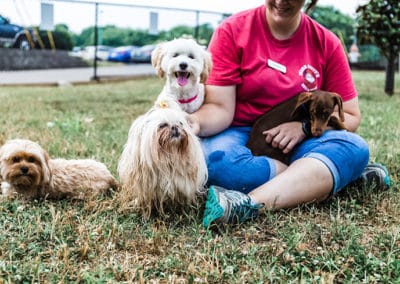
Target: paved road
73, 75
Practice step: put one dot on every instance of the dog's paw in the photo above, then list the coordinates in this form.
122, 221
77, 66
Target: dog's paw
6, 189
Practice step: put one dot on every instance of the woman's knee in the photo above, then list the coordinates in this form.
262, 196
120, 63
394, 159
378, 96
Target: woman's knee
348, 155
358, 154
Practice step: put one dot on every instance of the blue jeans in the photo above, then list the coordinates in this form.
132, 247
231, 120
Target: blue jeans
231, 164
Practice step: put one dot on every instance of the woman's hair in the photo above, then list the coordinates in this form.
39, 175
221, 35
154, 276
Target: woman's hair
310, 6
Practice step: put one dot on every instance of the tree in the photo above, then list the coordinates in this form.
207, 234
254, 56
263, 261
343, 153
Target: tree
86, 37
205, 33
178, 31
61, 37
334, 20
115, 36
202, 33
379, 22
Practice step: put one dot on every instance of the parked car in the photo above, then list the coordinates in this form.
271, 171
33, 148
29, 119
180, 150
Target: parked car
122, 53
76, 51
15, 36
143, 54
102, 52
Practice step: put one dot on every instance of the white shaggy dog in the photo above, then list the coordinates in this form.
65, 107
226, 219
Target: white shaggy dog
26, 169
162, 164
186, 66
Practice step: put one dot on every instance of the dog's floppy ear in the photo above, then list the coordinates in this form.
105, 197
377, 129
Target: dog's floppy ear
1, 161
1, 152
207, 65
4, 155
303, 98
156, 59
338, 101
45, 167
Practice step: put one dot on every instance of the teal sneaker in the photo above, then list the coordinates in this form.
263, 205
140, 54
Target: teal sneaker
228, 206
374, 175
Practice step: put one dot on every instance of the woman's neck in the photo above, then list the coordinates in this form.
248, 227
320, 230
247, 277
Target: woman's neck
282, 28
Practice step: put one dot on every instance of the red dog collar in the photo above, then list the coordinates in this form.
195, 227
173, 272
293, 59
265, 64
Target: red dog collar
189, 100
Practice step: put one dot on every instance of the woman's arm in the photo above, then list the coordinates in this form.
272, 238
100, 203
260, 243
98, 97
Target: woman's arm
216, 114
352, 114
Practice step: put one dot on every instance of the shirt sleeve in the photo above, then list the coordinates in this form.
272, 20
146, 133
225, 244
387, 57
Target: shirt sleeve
338, 76
226, 58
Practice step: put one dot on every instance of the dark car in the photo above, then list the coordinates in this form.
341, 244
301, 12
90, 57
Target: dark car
122, 54
143, 54
15, 36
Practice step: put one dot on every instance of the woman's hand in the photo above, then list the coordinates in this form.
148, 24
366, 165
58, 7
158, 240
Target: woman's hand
285, 136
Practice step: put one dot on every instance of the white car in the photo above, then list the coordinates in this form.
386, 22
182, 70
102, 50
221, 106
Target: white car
102, 52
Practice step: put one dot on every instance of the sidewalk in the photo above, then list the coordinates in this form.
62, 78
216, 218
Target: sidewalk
54, 77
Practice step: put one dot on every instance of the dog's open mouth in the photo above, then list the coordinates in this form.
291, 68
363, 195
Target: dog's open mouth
182, 77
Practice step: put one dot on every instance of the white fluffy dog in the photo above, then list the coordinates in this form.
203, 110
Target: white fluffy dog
26, 169
162, 164
186, 66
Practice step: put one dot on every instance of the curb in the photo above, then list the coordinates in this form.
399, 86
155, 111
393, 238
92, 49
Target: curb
99, 80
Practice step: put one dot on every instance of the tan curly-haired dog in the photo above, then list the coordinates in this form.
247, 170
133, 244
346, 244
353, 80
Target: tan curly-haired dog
26, 169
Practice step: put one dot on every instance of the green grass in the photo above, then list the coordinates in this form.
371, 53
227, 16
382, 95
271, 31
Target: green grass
353, 237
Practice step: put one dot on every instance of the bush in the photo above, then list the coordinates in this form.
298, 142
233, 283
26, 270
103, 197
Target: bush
62, 40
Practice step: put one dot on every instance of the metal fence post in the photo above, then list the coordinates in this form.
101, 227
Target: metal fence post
196, 30
96, 24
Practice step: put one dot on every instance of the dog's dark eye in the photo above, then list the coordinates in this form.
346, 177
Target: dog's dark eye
163, 125
175, 55
31, 159
16, 159
191, 56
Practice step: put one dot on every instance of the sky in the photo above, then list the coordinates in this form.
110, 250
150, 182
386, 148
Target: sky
77, 15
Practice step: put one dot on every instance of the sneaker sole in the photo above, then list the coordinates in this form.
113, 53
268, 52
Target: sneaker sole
386, 179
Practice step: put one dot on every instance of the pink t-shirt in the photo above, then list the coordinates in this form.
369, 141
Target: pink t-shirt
268, 71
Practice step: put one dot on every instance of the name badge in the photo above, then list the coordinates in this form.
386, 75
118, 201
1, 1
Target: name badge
275, 65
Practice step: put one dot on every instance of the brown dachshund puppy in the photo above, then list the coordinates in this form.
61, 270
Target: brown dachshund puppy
316, 106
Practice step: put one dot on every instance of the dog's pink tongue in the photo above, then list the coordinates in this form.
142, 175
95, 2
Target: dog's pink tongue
182, 79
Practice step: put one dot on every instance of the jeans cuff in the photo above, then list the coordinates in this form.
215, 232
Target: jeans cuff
272, 168
332, 168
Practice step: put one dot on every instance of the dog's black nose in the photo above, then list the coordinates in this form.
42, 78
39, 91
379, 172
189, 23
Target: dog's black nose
174, 131
24, 170
183, 65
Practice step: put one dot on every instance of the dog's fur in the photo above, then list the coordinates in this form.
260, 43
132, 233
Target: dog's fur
162, 165
186, 66
27, 170
318, 106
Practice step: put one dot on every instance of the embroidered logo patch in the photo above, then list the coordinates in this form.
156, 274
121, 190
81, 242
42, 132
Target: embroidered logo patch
310, 77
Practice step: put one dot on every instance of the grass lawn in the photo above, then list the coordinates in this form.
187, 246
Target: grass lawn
353, 237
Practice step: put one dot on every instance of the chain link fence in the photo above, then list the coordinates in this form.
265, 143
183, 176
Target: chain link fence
81, 15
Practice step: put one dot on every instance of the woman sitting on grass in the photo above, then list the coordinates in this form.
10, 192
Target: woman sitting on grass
262, 57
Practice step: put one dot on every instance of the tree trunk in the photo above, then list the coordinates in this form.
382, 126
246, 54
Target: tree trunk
390, 70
